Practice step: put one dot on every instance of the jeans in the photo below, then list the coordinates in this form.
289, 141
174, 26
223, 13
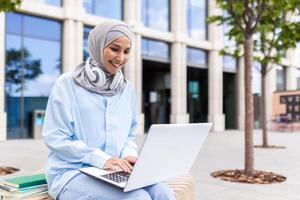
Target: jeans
83, 187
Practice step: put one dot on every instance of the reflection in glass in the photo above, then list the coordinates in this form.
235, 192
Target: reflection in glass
50, 65
226, 29
106, 8
197, 94
14, 23
196, 19
298, 78
229, 63
256, 78
88, 5
156, 14
33, 63
12, 72
50, 2
41, 28
154, 49
280, 78
86, 32
297, 52
196, 57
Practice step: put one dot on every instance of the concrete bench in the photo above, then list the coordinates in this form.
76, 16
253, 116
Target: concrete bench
183, 187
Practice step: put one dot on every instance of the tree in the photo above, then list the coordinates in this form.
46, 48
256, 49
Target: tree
276, 34
18, 70
243, 18
9, 5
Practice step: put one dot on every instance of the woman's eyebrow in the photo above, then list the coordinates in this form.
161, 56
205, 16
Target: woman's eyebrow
116, 45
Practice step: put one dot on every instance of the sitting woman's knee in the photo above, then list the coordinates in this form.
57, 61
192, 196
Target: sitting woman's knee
139, 194
161, 191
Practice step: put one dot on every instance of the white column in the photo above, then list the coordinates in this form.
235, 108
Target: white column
291, 71
215, 91
133, 69
291, 78
215, 72
241, 95
3, 134
79, 44
178, 64
132, 12
72, 35
270, 89
178, 84
133, 72
69, 45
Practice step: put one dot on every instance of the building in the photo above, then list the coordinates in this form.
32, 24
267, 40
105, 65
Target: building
176, 67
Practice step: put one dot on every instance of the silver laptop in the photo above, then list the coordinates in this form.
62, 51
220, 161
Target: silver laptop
169, 151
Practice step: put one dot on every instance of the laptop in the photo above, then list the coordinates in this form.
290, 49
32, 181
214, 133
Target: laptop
168, 151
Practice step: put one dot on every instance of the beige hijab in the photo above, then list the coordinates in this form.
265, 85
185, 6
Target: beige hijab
99, 37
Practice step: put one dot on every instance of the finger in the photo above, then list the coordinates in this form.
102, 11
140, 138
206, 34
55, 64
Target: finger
127, 164
116, 165
131, 159
116, 168
109, 166
109, 163
124, 166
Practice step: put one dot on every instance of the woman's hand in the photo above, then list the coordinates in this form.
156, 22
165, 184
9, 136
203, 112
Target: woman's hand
118, 164
130, 159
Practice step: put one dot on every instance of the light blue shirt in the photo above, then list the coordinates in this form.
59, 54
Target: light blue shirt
83, 128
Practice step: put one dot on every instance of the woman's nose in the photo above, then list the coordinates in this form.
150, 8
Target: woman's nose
120, 57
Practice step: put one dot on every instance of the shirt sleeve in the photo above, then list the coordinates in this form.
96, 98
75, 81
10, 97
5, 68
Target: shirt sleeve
58, 131
130, 147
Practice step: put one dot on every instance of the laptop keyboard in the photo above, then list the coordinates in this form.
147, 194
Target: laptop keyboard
118, 177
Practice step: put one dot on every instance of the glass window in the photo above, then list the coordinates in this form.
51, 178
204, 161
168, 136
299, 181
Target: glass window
106, 8
229, 63
196, 57
86, 32
298, 78
280, 78
298, 52
33, 63
196, 19
88, 5
46, 30
256, 78
45, 54
197, 94
226, 29
13, 22
156, 14
155, 50
50, 2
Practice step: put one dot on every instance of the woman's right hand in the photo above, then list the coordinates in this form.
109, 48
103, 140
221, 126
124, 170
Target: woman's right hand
117, 164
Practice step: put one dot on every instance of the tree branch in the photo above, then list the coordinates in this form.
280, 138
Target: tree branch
261, 8
235, 17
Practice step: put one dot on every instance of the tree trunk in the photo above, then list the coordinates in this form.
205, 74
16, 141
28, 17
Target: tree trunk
263, 106
249, 159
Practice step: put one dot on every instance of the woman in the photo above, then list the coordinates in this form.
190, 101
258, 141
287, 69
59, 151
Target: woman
90, 121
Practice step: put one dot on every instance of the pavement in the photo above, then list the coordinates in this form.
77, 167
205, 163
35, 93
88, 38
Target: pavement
222, 150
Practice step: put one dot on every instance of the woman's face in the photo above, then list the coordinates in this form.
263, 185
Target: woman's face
116, 54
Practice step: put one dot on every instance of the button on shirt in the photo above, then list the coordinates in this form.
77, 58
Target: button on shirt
83, 128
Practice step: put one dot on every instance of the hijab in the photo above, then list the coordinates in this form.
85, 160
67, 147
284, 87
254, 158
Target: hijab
100, 37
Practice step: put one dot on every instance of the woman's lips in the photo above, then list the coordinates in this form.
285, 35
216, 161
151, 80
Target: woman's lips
115, 65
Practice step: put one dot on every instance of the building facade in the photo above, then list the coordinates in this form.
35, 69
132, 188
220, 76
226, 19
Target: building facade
175, 64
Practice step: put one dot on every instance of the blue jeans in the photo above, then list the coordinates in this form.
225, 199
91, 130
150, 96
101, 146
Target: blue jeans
82, 187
